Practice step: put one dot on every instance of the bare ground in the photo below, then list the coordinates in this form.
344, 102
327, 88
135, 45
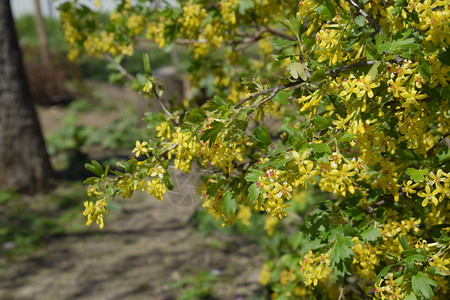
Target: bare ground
144, 247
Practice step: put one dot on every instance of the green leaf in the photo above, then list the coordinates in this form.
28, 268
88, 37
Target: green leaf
282, 97
410, 260
211, 133
444, 57
321, 122
421, 284
282, 43
168, 181
292, 24
297, 70
424, 68
253, 192
228, 204
262, 136
404, 242
417, 175
342, 249
147, 66
219, 101
404, 44
360, 20
326, 10
438, 272
253, 176
383, 272
371, 234
321, 148
245, 5
373, 72
94, 167
410, 296
318, 75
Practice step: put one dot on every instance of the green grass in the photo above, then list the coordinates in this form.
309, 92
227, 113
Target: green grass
27, 222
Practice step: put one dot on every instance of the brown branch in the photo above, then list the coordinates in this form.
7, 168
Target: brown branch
119, 67
341, 293
177, 41
372, 22
276, 89
280, 33
430, 151
336, 71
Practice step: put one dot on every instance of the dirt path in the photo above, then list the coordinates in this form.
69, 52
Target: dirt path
145, 246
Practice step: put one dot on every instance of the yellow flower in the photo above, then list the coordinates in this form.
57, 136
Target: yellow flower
428, 195
141, 148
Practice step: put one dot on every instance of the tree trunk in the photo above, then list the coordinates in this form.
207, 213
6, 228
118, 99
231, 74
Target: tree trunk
24, 162
42, 34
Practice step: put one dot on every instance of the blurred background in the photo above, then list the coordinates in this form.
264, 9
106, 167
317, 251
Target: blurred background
149, 249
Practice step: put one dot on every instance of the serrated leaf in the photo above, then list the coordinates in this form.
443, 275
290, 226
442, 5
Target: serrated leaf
321, 148
371, 234
228, 204
410, 260
342, 249
321, 122
410, 296
297, 70
262, 136
253, 175
424, 68
211, 133
282, 43
253, 192
421, 284
318, 75
245, 5
326, 10
438, 272
417, 175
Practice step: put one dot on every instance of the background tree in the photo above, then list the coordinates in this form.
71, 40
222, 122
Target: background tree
24, 162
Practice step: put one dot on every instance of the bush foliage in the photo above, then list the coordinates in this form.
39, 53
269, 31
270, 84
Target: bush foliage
334, 113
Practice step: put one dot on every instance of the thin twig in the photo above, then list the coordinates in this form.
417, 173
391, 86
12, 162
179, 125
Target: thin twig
351, 66
438, 255
280, 33
276, 89
372, 22
341, 293
430, 151
160, 101
119, 67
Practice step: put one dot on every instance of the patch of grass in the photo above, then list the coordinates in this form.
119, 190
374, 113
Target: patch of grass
196, 287
27, 222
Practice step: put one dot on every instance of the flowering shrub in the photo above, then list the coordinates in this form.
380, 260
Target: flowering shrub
361, 89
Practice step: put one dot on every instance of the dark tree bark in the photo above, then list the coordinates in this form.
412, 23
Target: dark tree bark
24, 162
